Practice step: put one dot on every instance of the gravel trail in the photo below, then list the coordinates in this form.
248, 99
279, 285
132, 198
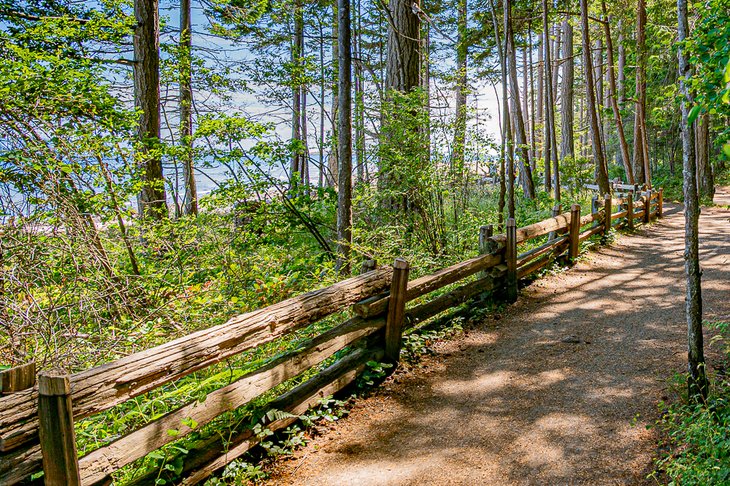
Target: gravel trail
557, 390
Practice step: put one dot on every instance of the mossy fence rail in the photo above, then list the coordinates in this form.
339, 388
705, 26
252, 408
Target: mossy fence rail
37, 417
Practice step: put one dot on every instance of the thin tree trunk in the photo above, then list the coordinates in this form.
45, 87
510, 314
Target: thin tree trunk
601, 169
521, 139
697, 380
705, 178
614, 102
333, 160
297, 169
526, 105
509, 152
533, 136
540, 99
322, 83
505, 148
359, 98
458, 150
555, 54
638, 160
551, 150
547, 139
152, 199
344, 139
190, 200
621, 65
567, 146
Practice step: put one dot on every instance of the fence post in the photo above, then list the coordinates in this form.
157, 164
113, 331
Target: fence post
396, 311
647, 207
58, 440
608, 212
630, 209
574, 231
485, 232
368, 265
556, 211
510, 257
16, 379
594, 204
660, 203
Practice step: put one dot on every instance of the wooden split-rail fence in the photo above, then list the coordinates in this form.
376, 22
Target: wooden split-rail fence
37, 413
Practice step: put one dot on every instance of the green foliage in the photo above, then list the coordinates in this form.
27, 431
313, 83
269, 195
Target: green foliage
709, 50
374, 373
699, 434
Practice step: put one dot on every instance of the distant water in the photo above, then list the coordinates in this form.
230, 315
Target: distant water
207, 179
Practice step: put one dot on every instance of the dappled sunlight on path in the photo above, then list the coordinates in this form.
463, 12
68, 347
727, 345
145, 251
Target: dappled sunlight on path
558, 389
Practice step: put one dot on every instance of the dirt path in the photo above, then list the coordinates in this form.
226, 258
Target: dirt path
510, 403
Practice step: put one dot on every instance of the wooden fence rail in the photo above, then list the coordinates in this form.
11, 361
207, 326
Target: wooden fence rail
36, 420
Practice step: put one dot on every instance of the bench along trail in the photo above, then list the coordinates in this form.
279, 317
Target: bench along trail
558, 389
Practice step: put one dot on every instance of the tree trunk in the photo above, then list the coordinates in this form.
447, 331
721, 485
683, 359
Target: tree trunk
332, 161
507, 129
614, 102
551, 150
190, 200
344, 139
567, 146
705, 178
152, 199
304, 157
403, 59
322, 84
621, 65
533, 139
359, 98
601, 169
459, 144
540, 99
547, 139
526, 105
297, 169
697, 380
521, 138
639, 164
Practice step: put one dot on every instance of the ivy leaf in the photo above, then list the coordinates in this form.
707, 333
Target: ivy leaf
726, 78
726, 149
693, 114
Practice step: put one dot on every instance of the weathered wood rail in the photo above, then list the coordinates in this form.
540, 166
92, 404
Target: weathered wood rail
36, 419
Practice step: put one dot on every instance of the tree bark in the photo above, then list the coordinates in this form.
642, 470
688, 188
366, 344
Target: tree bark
601, 169
359, 98
551, 150
297, 168
508, 140
705, 178
533, 136
613, 100
403, 59
152, 198
539, 112
457, 154
333, 159
344, 139
639, 163
621, 65
567, 146
697, 380
521, 138
190, 200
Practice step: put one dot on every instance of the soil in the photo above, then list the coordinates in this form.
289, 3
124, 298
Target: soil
560, 388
